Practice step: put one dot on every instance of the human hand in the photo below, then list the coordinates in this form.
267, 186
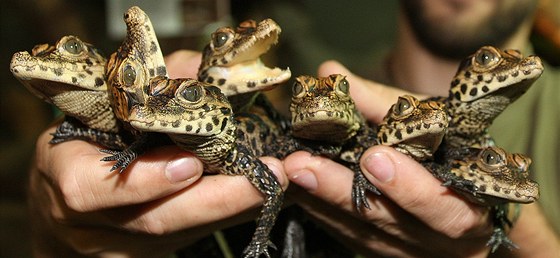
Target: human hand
160, 203
416, 216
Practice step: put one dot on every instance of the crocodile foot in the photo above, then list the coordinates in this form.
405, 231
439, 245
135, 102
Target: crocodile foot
122, 158
499, 238
125, 157
257, 248
359, 187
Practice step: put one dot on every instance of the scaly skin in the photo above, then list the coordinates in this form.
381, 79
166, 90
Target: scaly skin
128, 72
490, 177
231, 61
69, 75
485, 84
194, 115
325, 119
322, 109
413, 127
205, 125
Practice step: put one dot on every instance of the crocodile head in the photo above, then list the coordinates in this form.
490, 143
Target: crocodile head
69, 75
71, 64
414, 127
485, 84
492, 72
497, 176
135, 62
322, 109
232, 62
195, 115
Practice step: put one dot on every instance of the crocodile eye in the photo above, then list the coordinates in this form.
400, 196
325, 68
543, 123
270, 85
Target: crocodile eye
193, 93
402, 106
73, 46
491, 157
220, 39
343, 86
129, 75
297, 89
485, 57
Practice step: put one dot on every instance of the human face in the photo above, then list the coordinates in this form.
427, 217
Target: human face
454, 29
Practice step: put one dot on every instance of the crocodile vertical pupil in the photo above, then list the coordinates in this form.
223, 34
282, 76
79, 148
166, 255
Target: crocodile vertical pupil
402, 105
297, 89
490, 157
220, 39
485, 57
73, 46
129, 75
193, 93
343, 86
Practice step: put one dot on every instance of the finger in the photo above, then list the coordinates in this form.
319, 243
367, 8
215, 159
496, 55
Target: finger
331, 183
317, 174
220, 201
75, 169
183, 63
414, 189
372, 99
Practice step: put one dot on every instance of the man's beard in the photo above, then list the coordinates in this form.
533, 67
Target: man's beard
455, 42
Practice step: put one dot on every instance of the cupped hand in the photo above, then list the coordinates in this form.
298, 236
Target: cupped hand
415, 216
160, 203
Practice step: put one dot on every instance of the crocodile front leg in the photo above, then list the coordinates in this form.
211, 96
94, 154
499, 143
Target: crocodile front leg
360, 185
500, 221
242, 162
71, 129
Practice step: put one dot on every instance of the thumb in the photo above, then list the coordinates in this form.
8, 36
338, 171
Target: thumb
413, 188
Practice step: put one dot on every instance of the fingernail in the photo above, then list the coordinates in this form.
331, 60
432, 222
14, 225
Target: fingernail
306, 179
182, 169
380, 166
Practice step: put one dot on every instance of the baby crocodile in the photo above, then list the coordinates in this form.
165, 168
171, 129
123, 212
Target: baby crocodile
70, 75
194, 115
490, 177
232, 62
206, 126
485, 84
413, 127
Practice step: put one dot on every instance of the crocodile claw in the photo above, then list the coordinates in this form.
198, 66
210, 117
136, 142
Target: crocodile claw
359, 186
122, 158
125, 157
257, 248
64, 132
499, 238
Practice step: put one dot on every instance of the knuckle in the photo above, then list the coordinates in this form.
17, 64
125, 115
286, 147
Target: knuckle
465, 223
72, 194
152, 225
417, 201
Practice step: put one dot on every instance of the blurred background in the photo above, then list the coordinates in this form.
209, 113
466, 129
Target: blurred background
357, 34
